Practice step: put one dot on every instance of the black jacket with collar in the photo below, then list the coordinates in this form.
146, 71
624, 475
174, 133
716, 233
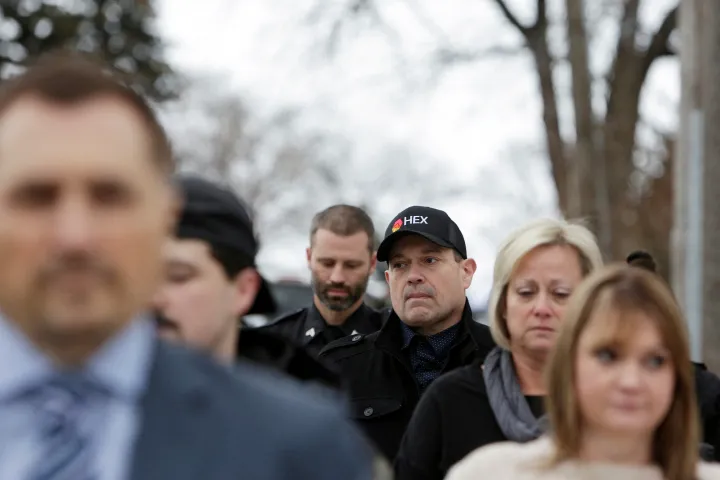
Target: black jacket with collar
382, 387
307, 328
281, 354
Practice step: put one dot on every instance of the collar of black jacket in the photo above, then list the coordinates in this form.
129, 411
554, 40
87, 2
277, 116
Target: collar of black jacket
281, 354
356, 323
473, 336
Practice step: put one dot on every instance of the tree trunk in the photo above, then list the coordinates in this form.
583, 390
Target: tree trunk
629, 72
589, 177
593, 176
619, 146
537, 42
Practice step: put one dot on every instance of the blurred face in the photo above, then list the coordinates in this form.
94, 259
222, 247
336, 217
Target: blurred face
623, 387
197, 303
427, 284
340, 267
84, 210
537, 295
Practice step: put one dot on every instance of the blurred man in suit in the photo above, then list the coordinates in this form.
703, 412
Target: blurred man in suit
86, 388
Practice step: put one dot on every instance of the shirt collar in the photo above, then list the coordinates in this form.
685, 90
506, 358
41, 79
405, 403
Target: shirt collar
408, 334
20, 363
434, 340
355, 323
132, 348
122, 365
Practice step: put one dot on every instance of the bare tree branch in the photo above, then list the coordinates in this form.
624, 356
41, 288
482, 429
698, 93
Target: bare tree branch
660, 44
271, 164
541, 19
512, 18
536, 38
625, 44
448, 57
427, 22
629, 24
351, 10
446, 54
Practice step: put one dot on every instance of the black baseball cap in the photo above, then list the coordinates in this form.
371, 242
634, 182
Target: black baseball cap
431, 223
217, 216
642, 259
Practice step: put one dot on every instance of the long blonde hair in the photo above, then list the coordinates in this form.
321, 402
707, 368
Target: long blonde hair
626, 289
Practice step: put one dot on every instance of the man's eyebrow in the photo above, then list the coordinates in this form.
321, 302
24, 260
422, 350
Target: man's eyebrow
174, 262
424, 251
395, 256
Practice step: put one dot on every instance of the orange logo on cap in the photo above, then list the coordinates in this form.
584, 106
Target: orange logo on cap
396, 226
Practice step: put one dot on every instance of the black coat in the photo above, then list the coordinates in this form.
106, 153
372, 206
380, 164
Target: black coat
382, 387
280, 354
307, 328
453, 418
707, 386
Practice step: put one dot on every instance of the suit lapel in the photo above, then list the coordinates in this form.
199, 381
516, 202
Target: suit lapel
175, 420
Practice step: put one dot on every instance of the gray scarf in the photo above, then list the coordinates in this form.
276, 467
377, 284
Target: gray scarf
507, 400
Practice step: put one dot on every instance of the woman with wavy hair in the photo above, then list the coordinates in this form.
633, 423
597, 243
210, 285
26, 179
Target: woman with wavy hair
621, 399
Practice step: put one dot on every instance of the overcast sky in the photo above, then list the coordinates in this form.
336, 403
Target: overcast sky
378, 91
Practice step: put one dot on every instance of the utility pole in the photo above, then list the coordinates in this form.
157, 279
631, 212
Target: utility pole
696, 230
710, 78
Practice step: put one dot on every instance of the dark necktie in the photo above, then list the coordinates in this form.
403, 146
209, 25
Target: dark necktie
66, 453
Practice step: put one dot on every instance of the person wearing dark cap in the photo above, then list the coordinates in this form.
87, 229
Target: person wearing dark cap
211, 281
430, 330
707, 384
341, 258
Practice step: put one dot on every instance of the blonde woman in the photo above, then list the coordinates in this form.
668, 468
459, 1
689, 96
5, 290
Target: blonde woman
621, 399
536, 270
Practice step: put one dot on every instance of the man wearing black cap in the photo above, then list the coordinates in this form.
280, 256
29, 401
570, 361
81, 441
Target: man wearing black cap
211, 281
429, 332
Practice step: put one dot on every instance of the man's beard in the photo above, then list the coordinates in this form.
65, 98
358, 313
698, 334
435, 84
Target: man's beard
339, 304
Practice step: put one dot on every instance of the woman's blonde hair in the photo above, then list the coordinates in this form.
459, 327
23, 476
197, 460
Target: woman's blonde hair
623, 289
540, 233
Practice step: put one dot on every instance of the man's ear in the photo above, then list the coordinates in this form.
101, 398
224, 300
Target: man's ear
246, 287
308, 255
373, 261
468, 271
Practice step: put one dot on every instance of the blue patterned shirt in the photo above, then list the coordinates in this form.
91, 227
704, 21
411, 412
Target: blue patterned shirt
428, 355
122, 366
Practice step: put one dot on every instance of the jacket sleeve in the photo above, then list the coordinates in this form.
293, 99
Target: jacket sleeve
420, 454
711, 433
708, 395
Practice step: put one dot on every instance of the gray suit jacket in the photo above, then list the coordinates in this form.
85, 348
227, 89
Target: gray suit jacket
204, 421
